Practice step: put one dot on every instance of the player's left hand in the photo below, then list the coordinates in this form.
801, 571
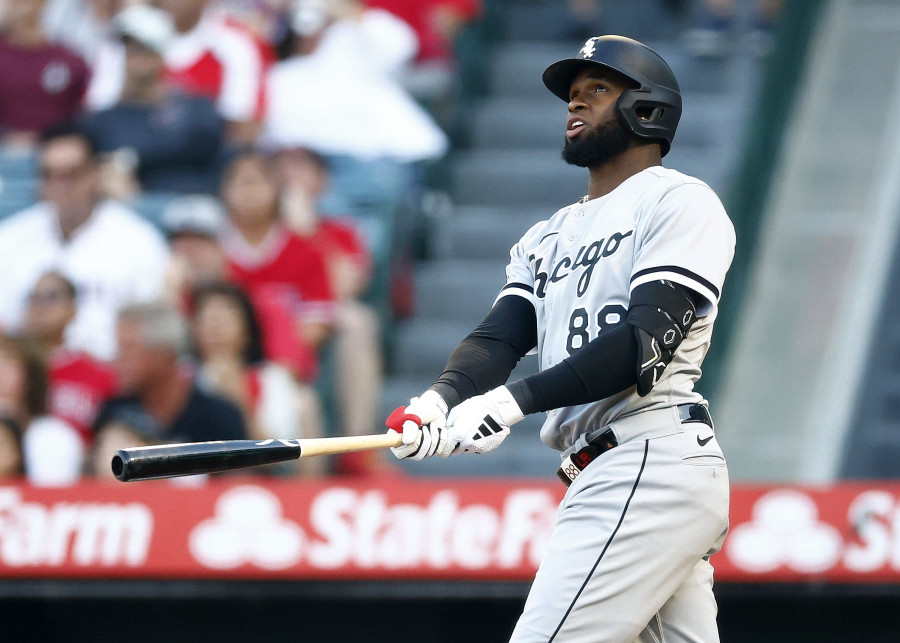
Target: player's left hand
481, 423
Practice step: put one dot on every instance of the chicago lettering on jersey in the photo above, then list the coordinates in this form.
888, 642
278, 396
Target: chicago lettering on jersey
586, 258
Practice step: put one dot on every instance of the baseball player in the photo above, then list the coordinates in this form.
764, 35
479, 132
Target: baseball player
618, 293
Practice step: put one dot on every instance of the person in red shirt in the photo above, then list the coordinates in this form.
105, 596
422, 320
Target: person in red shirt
285, 274
41, 83
78, 384
218, 58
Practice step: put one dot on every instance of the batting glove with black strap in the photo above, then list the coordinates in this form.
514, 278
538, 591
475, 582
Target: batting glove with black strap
481, 423
423, 424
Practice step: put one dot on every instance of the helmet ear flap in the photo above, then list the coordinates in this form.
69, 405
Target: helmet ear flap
626, 108
649, 118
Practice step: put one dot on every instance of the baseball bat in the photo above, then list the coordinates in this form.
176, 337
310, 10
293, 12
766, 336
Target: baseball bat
172, 460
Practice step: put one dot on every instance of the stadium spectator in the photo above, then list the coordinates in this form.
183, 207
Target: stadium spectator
285, 274
52, 449
193, 224
12, 458
111, 255
209, 56
41, 83
78, 383
228, 342
437, 24
262, 20
172, 141
213, 57
303, 176
152, 339
345, 50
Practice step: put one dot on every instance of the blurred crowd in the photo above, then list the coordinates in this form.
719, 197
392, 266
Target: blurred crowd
202, 206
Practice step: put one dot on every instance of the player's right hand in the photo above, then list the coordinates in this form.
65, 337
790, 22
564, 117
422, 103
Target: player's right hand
424, 427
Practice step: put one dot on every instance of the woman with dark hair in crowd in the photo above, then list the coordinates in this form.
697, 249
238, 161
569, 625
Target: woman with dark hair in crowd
228, 343
53, 450
284, 274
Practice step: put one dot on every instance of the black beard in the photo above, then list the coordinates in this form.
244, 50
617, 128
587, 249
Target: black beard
596, 145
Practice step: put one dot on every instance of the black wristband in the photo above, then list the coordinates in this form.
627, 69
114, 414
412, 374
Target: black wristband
521, 392
449, 394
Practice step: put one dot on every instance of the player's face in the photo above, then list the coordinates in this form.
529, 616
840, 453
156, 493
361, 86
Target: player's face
594, 134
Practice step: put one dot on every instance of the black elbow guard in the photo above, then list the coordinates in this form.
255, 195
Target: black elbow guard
661, 313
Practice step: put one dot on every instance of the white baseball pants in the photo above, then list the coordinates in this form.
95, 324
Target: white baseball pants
628, 558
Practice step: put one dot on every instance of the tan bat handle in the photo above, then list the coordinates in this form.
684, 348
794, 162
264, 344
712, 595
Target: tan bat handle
345, 444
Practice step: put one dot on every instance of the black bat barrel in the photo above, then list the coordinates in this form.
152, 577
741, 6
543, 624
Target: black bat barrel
171, 460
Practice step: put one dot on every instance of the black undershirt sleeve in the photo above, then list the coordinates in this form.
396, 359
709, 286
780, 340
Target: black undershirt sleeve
604, 367
485, 358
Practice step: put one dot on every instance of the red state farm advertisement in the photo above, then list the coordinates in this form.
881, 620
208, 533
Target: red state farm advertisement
846, 534
406, 529
258, 528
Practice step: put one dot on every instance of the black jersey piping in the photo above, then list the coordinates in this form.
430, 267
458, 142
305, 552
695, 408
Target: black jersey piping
608, 542
518, 284
549, 234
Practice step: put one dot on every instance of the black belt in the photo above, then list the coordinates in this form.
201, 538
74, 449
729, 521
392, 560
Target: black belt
599, 442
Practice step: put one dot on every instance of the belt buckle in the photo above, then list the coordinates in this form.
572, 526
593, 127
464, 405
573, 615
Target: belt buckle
696, 413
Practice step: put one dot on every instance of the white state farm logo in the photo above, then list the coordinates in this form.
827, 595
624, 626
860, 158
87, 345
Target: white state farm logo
79, 533
361, 528
248, 528
785, 530
875, 519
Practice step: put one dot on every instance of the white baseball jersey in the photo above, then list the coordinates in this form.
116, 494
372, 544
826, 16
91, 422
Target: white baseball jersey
579, 267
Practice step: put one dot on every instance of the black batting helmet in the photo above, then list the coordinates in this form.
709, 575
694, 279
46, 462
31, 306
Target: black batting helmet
657, 95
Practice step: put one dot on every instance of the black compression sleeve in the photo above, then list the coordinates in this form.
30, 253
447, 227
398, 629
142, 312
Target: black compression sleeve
602, 368
485, 358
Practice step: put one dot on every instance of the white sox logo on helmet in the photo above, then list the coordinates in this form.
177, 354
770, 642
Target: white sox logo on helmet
588, 50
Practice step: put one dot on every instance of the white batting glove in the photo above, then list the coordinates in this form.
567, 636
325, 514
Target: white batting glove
423, 424
481, 423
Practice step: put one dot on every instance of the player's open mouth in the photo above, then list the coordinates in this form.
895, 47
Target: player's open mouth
574, 129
